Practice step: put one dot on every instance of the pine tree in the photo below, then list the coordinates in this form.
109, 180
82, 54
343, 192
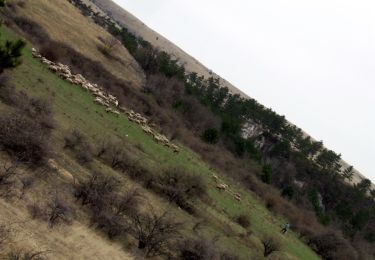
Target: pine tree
10, 54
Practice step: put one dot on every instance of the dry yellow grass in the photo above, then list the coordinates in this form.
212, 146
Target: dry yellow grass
76, 241
64, 23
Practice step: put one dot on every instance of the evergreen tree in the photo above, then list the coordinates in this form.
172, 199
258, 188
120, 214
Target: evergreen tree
211, 136
348, 173
10, 54
266, 174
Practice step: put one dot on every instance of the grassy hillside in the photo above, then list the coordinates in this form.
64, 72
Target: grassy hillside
73, 108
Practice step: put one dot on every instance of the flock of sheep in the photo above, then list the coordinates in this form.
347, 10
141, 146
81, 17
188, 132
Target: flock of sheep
112, 106
159, 138
221, 186
103, 98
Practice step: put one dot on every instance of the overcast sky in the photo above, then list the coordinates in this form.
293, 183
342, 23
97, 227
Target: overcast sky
312, 61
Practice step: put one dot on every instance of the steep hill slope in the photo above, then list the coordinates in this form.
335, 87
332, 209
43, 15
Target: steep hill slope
136, 26
182, 164
73, 108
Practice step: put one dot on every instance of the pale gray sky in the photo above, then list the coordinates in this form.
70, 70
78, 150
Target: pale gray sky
312, 61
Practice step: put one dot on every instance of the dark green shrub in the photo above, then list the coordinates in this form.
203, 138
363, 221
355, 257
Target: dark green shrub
370, 237
10, 54
211, 136
360, 219
243, 220
266, 174
288, 192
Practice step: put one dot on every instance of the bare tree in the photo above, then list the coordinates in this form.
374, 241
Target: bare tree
127, 203
110, 45
107, 206
54, 212
96, 190
7, 171
113, 151
80, 145
154, 232
4, 234
58, 210
270, 245
25, 255
26, 182
199, 248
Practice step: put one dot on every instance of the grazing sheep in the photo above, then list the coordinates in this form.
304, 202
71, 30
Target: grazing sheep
104, 99
122, 109
237, 198
215, 177
222, 186
116, 112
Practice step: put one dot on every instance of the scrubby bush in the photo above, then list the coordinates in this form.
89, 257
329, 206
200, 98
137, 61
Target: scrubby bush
181, 186
211, 136
331, 245
127, 203
243, 220
229, 256
108, 207
113, 152
109, 45
24, 138
270, 244
36, 211
79, 144
201, 249
56, 211
155, 232
25, 255
288, 192
266, 174
107, 221
370, 237
8, 174
96, 191
4, 234
73, 139
38, 109
142, 173
8, 93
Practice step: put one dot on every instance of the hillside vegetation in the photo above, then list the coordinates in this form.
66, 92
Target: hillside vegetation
85, 183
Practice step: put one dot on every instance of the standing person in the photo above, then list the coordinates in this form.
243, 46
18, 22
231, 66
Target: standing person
285, 228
